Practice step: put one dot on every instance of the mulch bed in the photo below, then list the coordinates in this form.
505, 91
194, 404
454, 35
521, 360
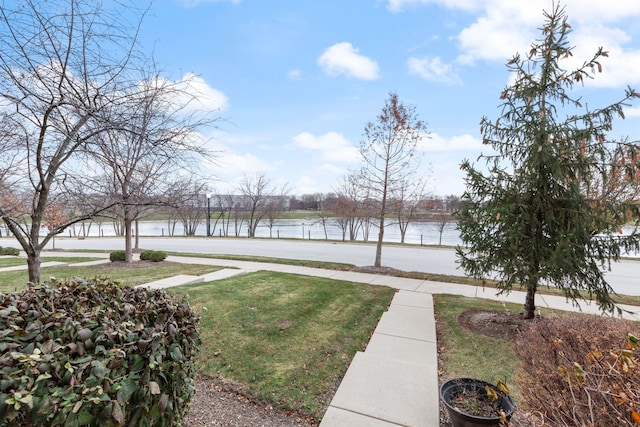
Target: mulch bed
218, 404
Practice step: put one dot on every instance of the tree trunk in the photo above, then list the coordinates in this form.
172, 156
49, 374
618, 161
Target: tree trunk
33, 264
529, 305
402, 225
383, 212
127, 236
378, 262
137, 246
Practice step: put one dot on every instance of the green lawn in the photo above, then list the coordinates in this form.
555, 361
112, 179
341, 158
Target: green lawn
464, 353
13, 261
12, 281
305, 263
10, 262
464, 280
285, 339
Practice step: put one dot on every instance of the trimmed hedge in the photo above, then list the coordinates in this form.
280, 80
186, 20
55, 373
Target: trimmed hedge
9, 251
117, 256
95, 353
154, 256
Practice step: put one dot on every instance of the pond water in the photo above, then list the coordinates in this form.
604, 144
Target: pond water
418, 233
426, 233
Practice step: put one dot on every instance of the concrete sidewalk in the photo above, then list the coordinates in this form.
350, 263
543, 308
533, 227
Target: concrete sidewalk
394, 382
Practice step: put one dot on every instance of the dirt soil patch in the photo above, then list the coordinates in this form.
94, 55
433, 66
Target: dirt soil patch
496, 324
218, 404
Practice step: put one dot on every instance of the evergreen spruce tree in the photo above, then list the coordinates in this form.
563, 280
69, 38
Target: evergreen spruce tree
534, 216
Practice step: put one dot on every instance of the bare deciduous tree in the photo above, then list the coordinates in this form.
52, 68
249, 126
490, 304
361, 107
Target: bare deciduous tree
186, 200
405, 201
222, 205
324, 219
256, 191
348, 206
63, 68
274, 207
389, 152
442, 219
157, 149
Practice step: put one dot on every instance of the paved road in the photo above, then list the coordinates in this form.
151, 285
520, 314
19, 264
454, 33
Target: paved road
409, 258
623, 277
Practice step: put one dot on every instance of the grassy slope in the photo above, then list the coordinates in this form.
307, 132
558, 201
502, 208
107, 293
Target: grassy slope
287, 339
13, 281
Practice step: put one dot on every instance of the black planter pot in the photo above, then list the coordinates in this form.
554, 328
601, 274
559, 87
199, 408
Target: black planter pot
452, 388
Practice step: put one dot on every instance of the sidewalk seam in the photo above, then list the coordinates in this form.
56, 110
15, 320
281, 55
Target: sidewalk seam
404, 338
368, 416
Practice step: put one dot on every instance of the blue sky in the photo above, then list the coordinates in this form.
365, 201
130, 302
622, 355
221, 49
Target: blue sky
297, 80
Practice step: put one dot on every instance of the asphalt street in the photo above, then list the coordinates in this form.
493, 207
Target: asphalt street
623, 276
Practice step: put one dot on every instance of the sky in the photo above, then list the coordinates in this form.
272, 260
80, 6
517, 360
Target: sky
295, 82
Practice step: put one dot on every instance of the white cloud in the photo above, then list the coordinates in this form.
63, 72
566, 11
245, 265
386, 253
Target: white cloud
294, 74
630, 112
241, 163
506, 27
317, 178
503, 28
306, 184
343, 58
228, 168
331, 146
433, 69
192, 93
204, 96
400, 5
195, 3
500, 32
465, 142
330, 169
578, 9
447, 178
445, 154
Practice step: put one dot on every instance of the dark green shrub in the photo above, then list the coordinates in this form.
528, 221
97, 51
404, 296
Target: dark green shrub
9, 251
95, 353
154, 256
117, 256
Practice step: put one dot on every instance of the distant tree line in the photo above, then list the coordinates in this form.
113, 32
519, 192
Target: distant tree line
328, 201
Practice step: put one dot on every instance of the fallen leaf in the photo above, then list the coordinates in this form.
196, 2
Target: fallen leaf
154, 387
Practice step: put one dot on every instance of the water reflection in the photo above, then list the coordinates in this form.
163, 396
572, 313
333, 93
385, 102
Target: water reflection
426, 233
